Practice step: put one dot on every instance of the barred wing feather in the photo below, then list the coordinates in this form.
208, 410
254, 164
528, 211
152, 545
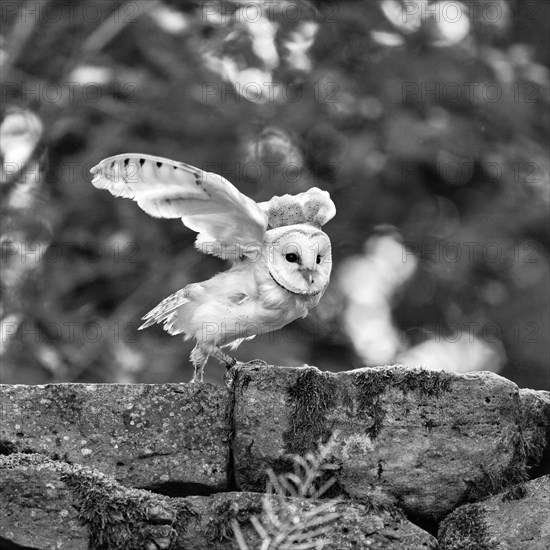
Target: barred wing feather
205, 202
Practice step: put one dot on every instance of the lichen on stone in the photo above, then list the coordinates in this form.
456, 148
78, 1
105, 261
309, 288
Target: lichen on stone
309, 398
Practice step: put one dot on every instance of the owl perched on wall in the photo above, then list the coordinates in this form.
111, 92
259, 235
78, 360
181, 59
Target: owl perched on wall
281, 260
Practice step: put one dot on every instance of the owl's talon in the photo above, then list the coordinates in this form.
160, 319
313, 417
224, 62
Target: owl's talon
229, 365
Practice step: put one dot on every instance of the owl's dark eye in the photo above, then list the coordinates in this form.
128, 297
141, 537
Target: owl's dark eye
291, 257
318, 259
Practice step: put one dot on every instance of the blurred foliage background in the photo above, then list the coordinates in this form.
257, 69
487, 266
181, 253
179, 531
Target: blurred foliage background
427, 121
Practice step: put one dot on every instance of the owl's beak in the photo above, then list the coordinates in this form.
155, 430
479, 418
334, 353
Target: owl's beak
308, 276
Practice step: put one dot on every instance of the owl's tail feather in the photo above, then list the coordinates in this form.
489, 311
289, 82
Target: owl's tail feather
166, 310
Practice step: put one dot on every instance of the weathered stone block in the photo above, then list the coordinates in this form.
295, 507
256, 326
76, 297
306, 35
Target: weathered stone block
37, 491
81, 508
154, 436
37, 509
517, 519
358, 527
535, 412
424, 440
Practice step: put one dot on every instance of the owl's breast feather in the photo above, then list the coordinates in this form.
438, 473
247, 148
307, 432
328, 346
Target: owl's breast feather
274, 296
239, 303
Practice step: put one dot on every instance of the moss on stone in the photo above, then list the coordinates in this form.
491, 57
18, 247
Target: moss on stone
537, 419
371, 384
491, 483
114, 519
465, 529
219, 525
517, 492
426, 382
526, 453
23, 460
488, 483
309, 398
376, 507
122, 518
116, 516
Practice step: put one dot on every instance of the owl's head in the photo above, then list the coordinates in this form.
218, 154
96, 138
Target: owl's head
299, 258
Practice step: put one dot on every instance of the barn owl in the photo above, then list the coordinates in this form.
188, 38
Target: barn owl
281, 260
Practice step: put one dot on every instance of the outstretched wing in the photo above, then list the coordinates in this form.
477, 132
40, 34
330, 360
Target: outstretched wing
229, 223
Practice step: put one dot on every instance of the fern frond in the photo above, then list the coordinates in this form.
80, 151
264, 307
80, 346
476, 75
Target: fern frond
284, 525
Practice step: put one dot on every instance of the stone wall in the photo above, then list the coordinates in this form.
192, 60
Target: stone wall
418, 456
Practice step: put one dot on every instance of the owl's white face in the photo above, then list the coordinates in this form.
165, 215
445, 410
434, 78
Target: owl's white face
299, 258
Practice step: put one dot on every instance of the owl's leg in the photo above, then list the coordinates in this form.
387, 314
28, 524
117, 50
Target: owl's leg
199, 357
221, 356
